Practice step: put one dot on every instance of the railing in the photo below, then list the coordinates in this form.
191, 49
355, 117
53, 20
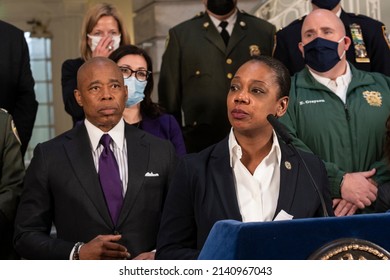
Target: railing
282, 12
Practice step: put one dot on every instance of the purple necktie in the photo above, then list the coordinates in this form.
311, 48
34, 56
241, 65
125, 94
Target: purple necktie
110, 179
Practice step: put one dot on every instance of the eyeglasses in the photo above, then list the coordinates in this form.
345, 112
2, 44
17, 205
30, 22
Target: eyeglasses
140, 75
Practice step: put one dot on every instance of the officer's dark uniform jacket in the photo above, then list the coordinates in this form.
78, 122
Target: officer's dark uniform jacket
197, 69
11, 181
374, 37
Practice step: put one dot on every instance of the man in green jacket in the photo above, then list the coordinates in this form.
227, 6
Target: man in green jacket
199, 62
11, 181
339, 113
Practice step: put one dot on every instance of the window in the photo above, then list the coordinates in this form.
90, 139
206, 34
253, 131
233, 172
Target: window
40, 60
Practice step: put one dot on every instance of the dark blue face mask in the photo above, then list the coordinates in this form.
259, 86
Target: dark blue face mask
322, 55
326, 4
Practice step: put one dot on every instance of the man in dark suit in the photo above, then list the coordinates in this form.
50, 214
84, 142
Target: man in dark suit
11, 182
369, 51
64, 185
197, 67
16, 81
249, 176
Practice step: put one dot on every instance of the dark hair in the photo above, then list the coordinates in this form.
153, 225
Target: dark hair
148, 107
282, 75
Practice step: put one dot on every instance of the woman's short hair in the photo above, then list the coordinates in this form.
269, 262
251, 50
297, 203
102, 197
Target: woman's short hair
282, 75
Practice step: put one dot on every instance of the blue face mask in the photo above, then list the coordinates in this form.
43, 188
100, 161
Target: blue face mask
322, 55
326, 4
135, 91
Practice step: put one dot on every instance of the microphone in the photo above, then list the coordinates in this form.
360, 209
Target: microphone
280, 129
287, 138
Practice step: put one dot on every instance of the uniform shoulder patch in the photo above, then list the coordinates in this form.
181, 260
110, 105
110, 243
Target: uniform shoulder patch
363, 19
246, 14
198, 15
297, 21
292, 25
386, 36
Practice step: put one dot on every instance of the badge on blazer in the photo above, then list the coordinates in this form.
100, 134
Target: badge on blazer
387, 39
373, 98
206, 24
287, 164
361, 55
254, 50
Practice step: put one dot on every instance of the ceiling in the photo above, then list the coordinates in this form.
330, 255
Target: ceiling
18, 12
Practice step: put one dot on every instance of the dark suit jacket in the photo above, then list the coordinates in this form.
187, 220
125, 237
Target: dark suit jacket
197, 68
377, 45
62, 186
16, 81
69, 84
382, 203
203, 192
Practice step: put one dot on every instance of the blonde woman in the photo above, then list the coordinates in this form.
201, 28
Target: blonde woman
102, 32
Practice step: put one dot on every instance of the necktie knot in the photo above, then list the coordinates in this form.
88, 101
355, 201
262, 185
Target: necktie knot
224, 33
223, 24
105, 140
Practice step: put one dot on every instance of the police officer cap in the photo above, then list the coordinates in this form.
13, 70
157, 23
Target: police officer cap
326, 4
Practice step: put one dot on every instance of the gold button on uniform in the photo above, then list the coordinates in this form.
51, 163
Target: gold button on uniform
229, 61
197, 72
229, 75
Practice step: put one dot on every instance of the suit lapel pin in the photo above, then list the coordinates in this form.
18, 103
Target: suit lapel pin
206, 24
287, 164
242, 24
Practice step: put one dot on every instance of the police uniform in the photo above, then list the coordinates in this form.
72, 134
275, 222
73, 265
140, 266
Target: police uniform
197, 68
369, 50
17, 83
11, 180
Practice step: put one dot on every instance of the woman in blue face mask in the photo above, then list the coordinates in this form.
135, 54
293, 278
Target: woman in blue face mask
141, 111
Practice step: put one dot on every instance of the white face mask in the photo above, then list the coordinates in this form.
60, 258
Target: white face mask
96, 39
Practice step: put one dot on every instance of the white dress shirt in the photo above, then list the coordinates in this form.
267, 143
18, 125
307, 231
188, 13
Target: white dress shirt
338, 86
257, 194
118, 146
231, 21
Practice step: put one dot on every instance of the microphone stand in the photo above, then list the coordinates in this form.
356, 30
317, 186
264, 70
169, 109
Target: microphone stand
286, 137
